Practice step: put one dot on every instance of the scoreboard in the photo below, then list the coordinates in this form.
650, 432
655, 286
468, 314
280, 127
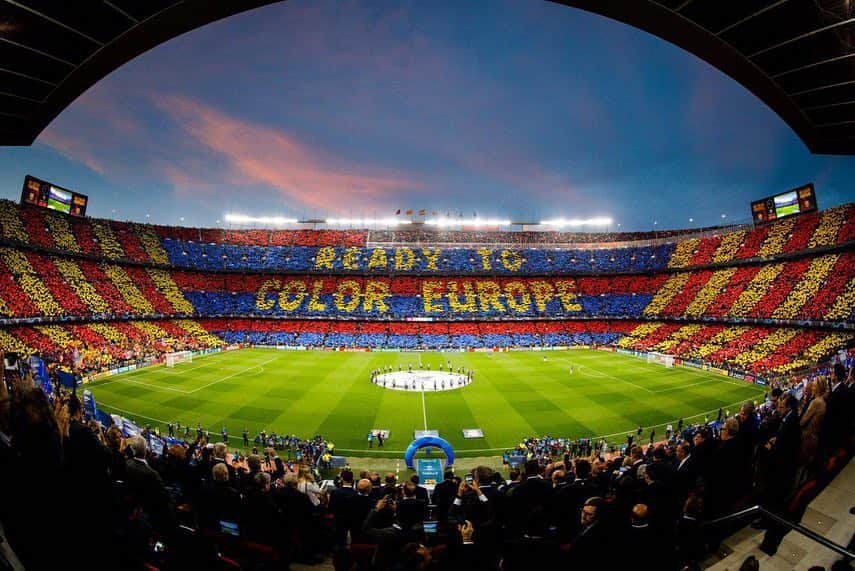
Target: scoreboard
46, 195
796, 201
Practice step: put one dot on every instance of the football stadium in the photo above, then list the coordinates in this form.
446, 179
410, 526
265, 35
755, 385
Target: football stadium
422, 388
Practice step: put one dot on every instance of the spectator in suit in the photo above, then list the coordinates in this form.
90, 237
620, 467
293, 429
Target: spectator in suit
636, 455
116, 445
838, 412
146, 487
533, 492
390, 485
689, 539
339, 506
219, 457
588, 545
247, 478
443, 496
748, 429
296, 508
421, 491
358, 507
568, 500
411, 510
727, 476
782, 461
686, 474
218, 500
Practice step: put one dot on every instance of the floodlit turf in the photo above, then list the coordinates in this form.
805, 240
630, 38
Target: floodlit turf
514, 395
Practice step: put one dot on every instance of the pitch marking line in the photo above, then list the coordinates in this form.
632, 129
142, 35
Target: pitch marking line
424, 411
173, 389
158, 387
589, 368
259, 366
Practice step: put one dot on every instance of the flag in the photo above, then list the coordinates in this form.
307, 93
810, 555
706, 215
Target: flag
155, 444
37, 366
129, 428
90, 409
422, 212
67, 380
397, 212
105, 419
409, 212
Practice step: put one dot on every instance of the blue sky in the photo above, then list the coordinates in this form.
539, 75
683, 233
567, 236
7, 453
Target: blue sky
518, 109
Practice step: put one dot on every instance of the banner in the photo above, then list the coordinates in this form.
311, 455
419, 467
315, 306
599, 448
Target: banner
430, 471
90, 410
40, 374
67, 380
129, 428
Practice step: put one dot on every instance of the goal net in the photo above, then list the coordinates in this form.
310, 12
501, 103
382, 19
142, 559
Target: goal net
659, 358
173, 359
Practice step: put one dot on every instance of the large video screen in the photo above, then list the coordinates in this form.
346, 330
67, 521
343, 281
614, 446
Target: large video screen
47, 195
796, 201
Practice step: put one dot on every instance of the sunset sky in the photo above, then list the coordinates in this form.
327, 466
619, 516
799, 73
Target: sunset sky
518, 109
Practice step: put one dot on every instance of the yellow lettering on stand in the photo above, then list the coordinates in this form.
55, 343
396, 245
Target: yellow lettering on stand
514, 289
543, 294
404, 259
324, 258
315, 301
485, 258
350, 261
454, 301
378, 259
430, 294
431, 255
489, 293
375, 295
263, 302
294, 288
567, 295
511, 260
345, 289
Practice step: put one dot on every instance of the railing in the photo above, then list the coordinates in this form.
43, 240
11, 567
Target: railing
812, 535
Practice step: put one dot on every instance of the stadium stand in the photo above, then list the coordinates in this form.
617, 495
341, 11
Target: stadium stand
92, 295
791, 280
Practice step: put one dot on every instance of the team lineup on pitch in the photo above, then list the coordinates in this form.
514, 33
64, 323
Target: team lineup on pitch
575, 394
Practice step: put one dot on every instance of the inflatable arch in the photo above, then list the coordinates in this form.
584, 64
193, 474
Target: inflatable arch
429, 441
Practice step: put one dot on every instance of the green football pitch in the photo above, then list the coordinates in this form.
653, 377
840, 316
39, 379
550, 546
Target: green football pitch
514, 395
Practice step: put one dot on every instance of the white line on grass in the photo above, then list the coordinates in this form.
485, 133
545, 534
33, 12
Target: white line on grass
373, 451
158, 387
424, 410
727, 406
588, 367
259, 366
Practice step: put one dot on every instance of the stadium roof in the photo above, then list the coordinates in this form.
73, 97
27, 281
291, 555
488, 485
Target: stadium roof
795, 55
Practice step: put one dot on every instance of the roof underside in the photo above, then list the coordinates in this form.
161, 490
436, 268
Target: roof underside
795, 55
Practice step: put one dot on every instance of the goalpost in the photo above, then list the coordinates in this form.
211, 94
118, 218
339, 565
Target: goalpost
173, 359
661, 359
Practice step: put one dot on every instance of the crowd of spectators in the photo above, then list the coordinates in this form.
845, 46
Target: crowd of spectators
259, 249
460, 259
767, 351
195, 505
495, 237
414, 335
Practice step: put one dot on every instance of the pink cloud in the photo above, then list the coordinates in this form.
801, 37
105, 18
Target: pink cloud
98, 124
259, 154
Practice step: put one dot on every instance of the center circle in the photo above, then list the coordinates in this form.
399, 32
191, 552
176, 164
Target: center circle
433, 381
